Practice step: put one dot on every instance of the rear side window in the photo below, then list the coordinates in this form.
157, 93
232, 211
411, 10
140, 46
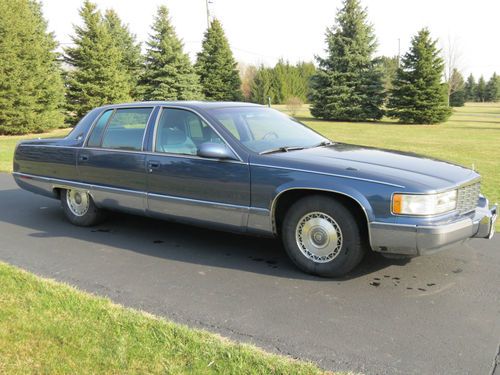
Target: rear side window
125, 129
96, 135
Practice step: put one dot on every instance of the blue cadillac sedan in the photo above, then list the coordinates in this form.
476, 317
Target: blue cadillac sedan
248, 168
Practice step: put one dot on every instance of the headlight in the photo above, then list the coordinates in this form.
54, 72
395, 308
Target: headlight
424, 204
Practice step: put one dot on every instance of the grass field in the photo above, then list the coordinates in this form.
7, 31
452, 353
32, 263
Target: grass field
51, 328
8, 144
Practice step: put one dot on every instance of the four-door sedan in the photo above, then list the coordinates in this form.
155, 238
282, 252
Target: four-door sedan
248, 168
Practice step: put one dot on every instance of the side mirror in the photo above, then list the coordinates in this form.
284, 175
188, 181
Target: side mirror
215, 151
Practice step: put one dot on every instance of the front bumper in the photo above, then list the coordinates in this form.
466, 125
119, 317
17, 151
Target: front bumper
417, 239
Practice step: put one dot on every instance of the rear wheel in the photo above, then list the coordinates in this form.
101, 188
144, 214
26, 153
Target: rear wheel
322, 236
80, 208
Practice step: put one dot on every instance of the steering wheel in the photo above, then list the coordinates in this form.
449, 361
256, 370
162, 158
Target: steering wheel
270, 134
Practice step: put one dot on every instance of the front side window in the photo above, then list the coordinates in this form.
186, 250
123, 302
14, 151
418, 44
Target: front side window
262, 129
124, 130
181, 132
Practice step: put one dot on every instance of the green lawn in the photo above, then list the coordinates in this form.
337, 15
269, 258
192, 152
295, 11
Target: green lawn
51, 328
470, 137
8, 144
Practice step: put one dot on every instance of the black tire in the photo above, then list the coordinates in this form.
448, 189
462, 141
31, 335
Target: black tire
347, 255
92, 215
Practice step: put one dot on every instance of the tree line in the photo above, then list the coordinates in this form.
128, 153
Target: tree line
103, 65
41, 89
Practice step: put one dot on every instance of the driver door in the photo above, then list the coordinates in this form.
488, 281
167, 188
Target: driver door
186, 187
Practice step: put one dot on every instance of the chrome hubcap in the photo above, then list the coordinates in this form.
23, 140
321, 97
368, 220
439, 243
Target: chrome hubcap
78, 202
319, 237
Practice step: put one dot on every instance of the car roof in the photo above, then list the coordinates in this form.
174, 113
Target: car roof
184, 104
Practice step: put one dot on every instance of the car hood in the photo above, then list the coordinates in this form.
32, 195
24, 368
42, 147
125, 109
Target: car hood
408, 170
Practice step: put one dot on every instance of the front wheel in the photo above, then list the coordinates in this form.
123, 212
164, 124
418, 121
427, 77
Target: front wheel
322, 237
79, 208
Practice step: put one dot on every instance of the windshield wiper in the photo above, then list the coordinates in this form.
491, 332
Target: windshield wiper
321, 144
281, 149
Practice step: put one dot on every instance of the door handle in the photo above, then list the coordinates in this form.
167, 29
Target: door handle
153, 164
84, 157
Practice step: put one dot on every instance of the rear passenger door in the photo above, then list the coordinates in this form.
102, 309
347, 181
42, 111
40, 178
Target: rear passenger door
113, 160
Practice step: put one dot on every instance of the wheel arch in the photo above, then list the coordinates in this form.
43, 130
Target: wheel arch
285, 198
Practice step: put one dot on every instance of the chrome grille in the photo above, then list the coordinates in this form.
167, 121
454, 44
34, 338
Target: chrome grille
468, 197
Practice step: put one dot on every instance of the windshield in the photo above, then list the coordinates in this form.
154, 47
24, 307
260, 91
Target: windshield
264, 129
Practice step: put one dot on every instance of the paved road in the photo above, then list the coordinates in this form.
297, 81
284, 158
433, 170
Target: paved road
433, 315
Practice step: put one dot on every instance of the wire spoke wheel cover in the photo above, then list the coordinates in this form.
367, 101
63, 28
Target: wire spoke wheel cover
78, 202
318, 237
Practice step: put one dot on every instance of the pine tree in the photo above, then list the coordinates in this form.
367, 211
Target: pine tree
31, 87
168, 73
481, 90
492, 89
389, 67
262, 86
98, 76
470, 89
125, 41
418, 96
457, 97
219, 76
306, 71
348, 84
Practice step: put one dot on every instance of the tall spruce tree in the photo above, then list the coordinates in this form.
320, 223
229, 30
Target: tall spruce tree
457, 97
98, 76
31, 87
492, 89
418, 96
168, 73
389, 67
481, 90
130, 50
470, 88
262, 86
219, 76
348, 84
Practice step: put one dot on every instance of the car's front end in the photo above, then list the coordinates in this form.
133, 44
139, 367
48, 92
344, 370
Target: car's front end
426, 223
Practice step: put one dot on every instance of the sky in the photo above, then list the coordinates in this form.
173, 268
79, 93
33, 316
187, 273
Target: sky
262, 31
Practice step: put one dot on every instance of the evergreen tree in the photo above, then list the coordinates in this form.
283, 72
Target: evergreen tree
470, 89
492, 89
389, 67
98, 76
125, 41
457, 97
219, 76
31, 87
418, 96
168, 73
262, 86
348, 84
306, 72
481, 90
247, 76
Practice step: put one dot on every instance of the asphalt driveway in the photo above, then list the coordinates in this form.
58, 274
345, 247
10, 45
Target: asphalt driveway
433, 315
